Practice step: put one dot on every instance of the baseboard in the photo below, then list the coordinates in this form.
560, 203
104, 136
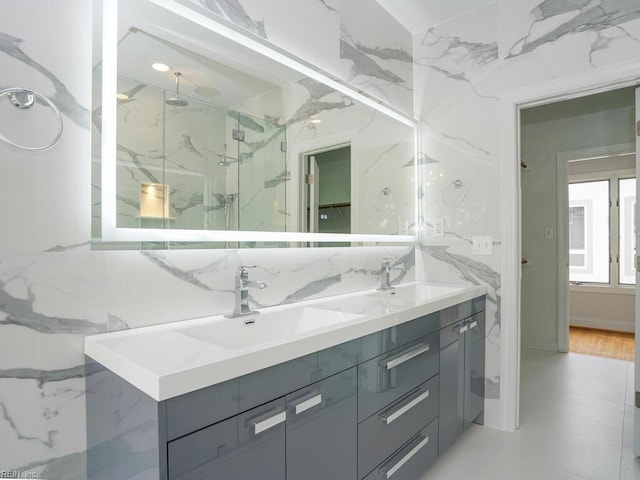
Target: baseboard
540, 345
602, 324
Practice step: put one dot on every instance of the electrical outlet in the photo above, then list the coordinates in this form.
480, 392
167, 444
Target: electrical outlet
438, 227
482, 245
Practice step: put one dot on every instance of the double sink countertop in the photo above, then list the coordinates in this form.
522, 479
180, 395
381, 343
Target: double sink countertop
175, 358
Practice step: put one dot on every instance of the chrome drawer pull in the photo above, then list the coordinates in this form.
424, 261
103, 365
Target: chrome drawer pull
405, 357
473, 324
270, 422
307, 404
405, 408
389, 473
464, 328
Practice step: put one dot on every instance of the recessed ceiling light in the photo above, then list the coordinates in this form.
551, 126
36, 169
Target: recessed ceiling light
122, 96
161, 67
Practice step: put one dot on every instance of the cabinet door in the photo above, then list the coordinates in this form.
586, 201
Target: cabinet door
245, 447
474, 370
452, 366
322, 430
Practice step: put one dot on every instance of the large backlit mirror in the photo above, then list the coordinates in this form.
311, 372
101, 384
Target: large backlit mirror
204, 134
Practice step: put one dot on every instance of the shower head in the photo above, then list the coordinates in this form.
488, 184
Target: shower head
177, 101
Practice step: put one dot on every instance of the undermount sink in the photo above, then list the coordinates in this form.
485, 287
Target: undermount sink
247, 332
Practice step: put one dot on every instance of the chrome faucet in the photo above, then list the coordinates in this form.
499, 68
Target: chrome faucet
385, 272
242, 284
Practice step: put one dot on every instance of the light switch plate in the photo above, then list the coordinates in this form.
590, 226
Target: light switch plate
548, 233
482, 245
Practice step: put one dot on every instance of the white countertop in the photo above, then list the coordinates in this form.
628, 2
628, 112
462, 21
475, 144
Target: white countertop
168, 360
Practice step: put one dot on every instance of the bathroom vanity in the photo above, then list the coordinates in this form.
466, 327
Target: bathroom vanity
363, 386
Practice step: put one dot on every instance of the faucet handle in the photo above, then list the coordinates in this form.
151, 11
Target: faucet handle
244, 267
388, 259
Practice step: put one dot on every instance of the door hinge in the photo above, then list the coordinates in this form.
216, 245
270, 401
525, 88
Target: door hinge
638, 128
308, 179
283, 146
238, 135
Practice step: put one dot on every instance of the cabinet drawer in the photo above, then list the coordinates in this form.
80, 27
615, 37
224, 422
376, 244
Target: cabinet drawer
412, 459
195, 410
381, 434
245, 447
395, 337
386, 378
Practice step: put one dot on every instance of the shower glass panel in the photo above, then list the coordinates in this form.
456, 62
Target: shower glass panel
262, 174
196, 165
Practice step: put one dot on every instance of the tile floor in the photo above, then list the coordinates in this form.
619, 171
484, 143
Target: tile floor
576, 422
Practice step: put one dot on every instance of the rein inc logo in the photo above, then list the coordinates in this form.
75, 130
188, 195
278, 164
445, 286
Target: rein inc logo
19, 474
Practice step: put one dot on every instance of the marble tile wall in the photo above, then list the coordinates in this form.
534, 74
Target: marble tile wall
462, 67
355, 40
54, 289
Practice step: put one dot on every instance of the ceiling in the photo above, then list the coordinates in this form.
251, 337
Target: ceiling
417, 15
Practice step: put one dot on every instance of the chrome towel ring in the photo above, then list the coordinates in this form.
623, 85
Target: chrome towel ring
386, 204
454, 193
24, 99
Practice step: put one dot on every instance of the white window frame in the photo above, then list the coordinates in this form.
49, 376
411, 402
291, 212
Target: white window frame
613, 177
587, 205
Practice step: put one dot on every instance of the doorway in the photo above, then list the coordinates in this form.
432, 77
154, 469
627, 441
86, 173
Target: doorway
327, 197
587, 141
569, 150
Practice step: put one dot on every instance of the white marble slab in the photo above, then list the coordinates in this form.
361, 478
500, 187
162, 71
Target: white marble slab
168, 360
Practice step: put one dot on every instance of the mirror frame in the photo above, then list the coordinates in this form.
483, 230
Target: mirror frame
110, 231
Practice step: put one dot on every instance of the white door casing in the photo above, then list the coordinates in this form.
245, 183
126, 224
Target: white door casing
596, 81
636, 416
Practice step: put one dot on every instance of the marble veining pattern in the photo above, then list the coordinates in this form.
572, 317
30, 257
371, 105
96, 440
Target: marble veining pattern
62, 98
382, 69
575, 17
462, 68
379, 64
234, 11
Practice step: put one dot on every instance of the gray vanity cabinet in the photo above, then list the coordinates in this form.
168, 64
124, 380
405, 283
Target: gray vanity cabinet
245, 447
309, 434
376, 407
321, 427
461, 378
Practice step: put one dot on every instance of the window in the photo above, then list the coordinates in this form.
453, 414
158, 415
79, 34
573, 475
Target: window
577, 252
627, 207
589, 232
602, 231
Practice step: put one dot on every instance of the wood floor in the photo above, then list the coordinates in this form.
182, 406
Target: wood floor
602, 343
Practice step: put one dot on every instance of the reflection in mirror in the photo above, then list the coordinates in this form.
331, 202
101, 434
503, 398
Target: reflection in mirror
213, 136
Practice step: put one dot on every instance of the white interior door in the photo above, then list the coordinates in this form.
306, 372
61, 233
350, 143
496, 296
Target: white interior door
636, 423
